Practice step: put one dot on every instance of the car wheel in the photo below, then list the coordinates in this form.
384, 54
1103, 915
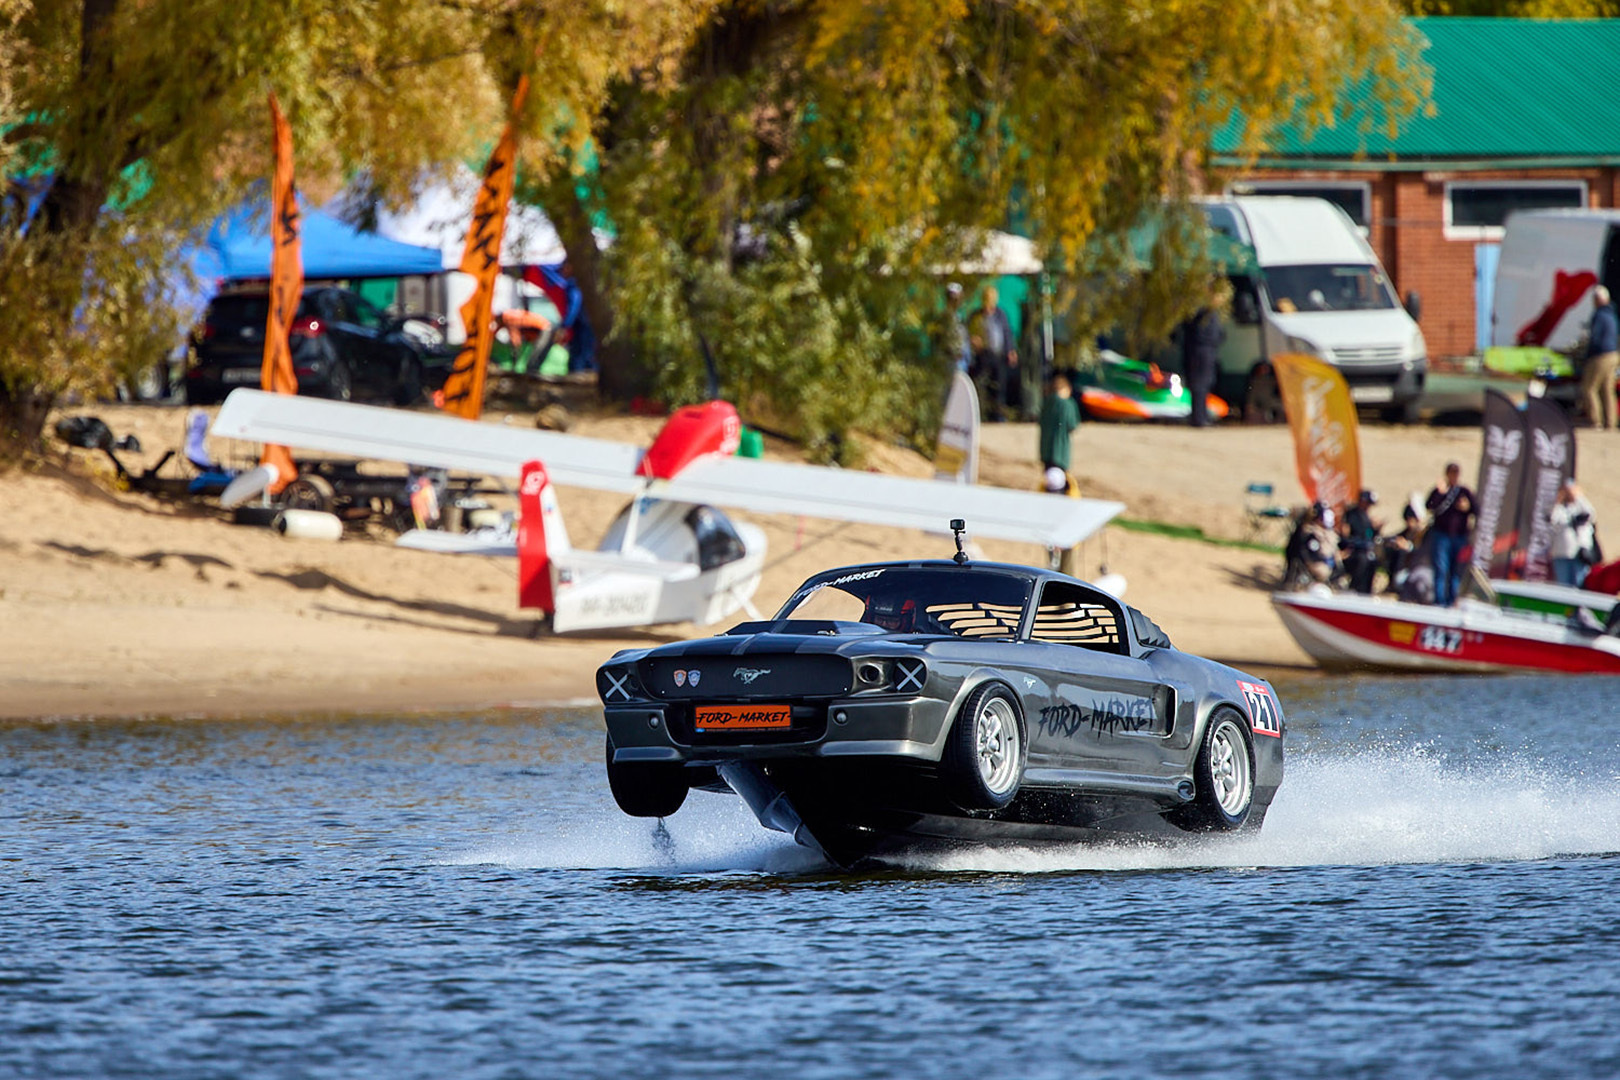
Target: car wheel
339, 383
1408, 412
408, 391
1223, 777
646, 789
984, 758
1262, 403
309, 493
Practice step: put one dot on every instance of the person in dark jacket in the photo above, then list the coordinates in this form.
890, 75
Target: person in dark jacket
995, 356
1452, 507
1360, 543
1201, 338
1602, 358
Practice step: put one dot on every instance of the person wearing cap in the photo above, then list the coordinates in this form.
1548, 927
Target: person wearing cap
1602, 358
1451, 505
1060, 415
1359, 541
1401, 549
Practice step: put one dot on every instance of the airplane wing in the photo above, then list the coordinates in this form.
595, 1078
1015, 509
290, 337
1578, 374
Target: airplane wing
425, 440
446, 442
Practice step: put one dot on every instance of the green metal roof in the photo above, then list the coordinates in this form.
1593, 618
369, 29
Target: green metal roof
1503, 88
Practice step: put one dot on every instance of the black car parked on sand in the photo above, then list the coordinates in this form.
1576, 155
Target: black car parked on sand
342, 348
899, 707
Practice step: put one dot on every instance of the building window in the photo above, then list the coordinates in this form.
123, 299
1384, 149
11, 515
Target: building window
1354, 197
1478, 209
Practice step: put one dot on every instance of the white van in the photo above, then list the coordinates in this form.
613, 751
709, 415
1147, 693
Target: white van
1549, 263
1319, 289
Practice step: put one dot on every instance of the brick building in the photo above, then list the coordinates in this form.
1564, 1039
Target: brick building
1523, 118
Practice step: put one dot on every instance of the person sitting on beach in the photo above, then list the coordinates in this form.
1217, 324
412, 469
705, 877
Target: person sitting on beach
1312, 553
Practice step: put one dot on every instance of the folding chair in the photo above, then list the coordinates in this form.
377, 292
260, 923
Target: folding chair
1261, 513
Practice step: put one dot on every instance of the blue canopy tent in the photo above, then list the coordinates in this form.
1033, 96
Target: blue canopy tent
238, 248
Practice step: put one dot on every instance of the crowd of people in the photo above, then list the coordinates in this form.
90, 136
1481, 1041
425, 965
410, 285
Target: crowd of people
1425, 559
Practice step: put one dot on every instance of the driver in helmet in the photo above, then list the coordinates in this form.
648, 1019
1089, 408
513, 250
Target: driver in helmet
891, 613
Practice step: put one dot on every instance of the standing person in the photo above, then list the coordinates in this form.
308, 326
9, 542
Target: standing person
1574, 539
1201, 338
996, 354
1452, 507
1060, 415
957, 349
575, 328
1602, 358
1360, 543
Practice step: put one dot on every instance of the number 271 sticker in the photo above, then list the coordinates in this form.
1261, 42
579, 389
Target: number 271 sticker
1264, 716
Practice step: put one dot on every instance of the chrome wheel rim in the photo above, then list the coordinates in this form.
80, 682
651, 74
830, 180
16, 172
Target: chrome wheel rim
995, 736
1229, 771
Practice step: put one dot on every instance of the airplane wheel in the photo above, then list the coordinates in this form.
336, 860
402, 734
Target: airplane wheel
646, 789
1223, 777
310, 492
984, 759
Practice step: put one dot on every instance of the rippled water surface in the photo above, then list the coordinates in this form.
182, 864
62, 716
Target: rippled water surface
1436, 893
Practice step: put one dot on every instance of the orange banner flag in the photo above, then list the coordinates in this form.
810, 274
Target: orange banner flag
463, 392
286, 286
1322, 417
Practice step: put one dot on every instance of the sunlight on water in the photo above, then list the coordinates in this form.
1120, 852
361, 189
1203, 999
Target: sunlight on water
1402, 805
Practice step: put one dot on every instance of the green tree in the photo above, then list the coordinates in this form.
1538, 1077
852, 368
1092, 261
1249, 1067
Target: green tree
133, 123
788, 195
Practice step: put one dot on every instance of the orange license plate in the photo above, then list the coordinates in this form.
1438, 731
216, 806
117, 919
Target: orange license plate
742, 717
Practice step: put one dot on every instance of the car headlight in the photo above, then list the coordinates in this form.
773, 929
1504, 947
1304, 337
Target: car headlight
1419, 348
1306, 346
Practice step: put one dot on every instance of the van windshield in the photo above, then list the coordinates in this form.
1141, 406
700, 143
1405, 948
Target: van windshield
1329, 287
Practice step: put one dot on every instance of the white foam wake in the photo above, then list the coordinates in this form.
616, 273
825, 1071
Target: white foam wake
1367, 807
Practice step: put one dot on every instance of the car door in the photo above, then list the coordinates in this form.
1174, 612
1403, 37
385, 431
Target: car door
382, 362
354, 346
1104, 712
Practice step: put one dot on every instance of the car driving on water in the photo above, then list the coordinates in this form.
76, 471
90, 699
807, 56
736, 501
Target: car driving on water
908, 705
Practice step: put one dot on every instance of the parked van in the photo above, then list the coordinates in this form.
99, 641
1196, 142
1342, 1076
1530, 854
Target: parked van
1549, 263
1319, 290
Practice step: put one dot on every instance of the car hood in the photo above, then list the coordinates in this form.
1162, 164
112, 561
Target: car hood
1385, 327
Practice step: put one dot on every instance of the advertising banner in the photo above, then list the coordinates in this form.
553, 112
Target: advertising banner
1322, 418
1501, 479
286, 286
1548, 466
463, 392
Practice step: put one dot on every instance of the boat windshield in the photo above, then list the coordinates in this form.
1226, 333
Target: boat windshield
959, 602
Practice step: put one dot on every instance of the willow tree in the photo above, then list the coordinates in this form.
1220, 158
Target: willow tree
786, 198
127, 125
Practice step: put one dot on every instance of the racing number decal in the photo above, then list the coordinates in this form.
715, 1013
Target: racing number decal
1441, 640
1264, 716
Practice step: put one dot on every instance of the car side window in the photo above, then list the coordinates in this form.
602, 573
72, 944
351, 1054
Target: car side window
1070, 615
365, 314
342, 307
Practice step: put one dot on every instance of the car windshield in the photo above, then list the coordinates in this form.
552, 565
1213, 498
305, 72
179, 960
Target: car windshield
969, 603
232, 312
1334, 287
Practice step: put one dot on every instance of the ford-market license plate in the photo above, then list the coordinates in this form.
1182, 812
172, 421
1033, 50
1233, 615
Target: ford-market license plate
742, 717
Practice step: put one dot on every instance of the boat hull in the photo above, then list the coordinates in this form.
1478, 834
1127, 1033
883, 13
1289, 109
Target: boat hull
1349, 631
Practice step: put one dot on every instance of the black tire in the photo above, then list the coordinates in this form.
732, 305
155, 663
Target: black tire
1223, 777
262, 516
309, 492
646, 789
1407, 412
339, 382
986, 750
1262, 402
408, 391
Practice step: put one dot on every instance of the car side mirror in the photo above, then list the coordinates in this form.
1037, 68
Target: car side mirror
1413, 305
1245, 311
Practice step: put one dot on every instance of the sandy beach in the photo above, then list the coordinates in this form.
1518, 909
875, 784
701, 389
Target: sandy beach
116, 603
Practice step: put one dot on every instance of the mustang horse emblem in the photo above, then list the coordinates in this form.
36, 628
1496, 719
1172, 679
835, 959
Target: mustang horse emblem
746, 675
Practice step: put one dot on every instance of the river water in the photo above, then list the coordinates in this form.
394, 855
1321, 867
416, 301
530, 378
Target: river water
1436, 893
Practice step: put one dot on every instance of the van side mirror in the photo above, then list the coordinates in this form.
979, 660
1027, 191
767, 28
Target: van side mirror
1413, 304
1245, 311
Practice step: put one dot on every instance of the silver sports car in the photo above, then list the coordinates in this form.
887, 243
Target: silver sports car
919, 705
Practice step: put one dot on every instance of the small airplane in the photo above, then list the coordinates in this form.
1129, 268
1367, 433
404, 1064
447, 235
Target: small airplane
671, 555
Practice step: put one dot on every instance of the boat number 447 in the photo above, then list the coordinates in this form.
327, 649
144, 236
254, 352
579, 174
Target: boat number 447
1440, 639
